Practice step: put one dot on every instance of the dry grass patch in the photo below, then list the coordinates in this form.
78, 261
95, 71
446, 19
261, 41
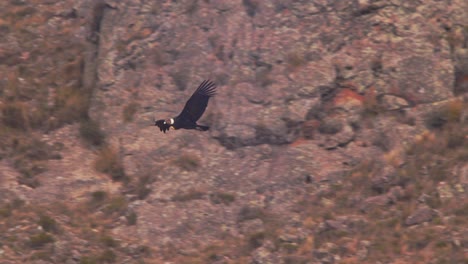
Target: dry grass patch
142, 188
71, 104
187, 162
295, 59
116, 205
108, 161
129, 111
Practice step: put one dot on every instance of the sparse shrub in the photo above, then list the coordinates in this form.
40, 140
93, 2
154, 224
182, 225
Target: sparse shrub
191, 7
295, 59
131, 218
142, 189
251, 7
296, 260
192, 194
108, 241
129, 111
71, 104
6, 210
88, 260
91, 132
187, 162
418, 239
249, 213
331, 126
289, 247
453, 110
41, 255
108, 256
159, 57
14, 115
40, 240
442, 115
262, 76
32, 149
456, 137
98, 196
27, 11
109, 162
97, 199
371, 105
435, 119
462, 210
181, 78
5, 29
309, 129
28, 170
382, 141
48, 224
222, 197
117, 205
256, 240
404, 118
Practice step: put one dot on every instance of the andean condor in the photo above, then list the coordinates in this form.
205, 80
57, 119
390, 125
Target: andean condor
192, 111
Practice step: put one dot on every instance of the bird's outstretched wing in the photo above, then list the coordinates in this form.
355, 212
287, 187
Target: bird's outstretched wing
196, 105
162, 126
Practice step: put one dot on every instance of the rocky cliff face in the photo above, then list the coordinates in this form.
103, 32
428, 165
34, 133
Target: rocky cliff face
338, 132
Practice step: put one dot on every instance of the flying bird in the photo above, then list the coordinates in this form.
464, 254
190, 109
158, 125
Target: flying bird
193, 110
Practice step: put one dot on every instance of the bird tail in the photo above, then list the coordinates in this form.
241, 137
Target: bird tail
202, 128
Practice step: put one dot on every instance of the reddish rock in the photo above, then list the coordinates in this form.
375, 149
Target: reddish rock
420, 215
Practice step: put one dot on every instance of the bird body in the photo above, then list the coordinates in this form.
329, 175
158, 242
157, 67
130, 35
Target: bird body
193, 110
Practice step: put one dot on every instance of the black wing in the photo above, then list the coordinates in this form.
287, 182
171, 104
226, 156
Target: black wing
196, 105
163, 127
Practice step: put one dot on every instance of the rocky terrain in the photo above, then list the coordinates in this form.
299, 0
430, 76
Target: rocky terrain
338, 133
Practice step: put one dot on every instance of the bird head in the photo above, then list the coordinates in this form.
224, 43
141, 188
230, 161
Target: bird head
163, 125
